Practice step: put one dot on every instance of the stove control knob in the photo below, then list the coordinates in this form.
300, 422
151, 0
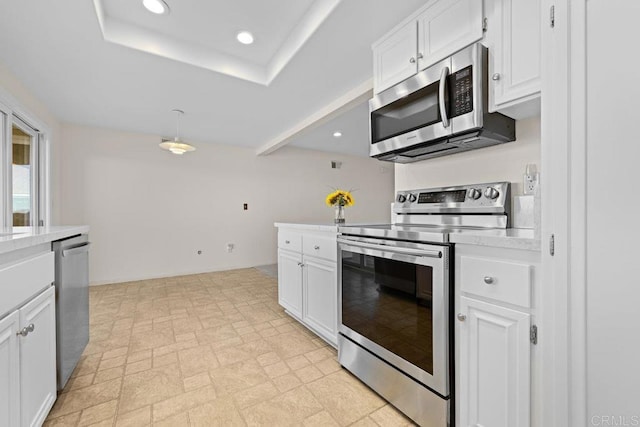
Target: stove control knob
491, 193
402, 198
412, 198
474, 193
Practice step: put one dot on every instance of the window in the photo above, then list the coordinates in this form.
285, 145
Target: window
23, 155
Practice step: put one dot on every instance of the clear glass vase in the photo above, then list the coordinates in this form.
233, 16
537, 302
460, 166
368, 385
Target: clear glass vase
339, 214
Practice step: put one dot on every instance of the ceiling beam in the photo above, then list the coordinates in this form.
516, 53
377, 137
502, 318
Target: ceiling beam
346, 102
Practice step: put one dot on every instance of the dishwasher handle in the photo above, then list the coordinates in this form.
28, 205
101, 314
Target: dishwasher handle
73, 250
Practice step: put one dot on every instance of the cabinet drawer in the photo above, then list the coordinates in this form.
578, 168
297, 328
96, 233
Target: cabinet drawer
320, 246
20, 281
290, 240
504, 281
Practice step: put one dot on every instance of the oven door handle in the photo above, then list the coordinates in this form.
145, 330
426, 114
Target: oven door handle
427, 253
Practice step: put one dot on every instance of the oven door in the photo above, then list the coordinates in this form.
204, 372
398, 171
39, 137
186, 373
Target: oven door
412, 112
394, 302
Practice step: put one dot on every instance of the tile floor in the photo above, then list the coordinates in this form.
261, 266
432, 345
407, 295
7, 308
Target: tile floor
205, 350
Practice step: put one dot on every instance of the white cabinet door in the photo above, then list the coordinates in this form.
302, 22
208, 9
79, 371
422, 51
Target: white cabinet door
321, 297
38, 358
445, 27
495, 363
290, 282
9, 371
394, 58
514, 41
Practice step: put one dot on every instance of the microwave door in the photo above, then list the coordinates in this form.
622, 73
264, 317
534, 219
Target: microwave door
413, 112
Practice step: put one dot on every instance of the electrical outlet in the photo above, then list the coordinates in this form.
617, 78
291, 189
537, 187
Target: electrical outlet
531, 183
230, 247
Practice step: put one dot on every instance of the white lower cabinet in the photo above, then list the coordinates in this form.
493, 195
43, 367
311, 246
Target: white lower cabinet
27, 342
495, 365
320, 297
9, 371
290, 281
497, 353
38, 358
308, 280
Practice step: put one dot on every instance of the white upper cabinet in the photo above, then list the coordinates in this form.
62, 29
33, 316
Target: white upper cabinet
439, 29
514, 41
445, 27
395, 57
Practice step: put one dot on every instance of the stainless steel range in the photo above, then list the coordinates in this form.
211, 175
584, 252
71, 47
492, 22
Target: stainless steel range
396, 295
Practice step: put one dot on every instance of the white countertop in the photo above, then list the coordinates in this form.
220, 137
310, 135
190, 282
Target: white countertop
23, 237
510, 238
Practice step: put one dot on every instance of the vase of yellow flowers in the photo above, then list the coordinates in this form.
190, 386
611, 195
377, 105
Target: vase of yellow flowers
339, 199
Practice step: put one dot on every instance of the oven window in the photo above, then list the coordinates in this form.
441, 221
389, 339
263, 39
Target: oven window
419, 109
389, 302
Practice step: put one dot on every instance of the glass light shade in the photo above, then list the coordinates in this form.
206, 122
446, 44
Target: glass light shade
158, 7
177, 147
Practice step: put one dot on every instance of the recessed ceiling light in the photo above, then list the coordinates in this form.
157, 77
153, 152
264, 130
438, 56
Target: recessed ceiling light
245, 37
337, 134
159, 7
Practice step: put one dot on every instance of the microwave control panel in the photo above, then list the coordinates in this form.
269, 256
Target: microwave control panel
462, 96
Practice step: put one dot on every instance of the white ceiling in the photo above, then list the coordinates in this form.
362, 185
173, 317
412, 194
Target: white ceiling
58, 51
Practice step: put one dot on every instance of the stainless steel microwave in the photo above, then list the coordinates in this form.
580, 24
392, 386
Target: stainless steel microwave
441, 110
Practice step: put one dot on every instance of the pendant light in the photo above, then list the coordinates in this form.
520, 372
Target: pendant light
177, 146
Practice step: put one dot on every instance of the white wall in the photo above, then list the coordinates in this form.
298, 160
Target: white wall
151, 211
612, 231
505, 162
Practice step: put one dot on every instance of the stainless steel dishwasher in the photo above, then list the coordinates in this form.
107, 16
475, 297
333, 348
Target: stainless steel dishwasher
72, 303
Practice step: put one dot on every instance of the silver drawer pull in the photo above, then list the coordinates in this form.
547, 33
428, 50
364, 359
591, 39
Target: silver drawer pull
462, 317
316, 247
488, 280
287, 242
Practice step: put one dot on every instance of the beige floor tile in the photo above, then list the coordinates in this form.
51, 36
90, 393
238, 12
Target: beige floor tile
268, 359
238, 376
308, 374
255, 395
95, 414
321, 419
209, 349
219, 412
365, 422
196, 381
135, 367
287, 382
182, 402
150, 386
70, 420
390, 416
290, 408
345, 397
108, 374
138, 418
196, 360
178, 420
86, 397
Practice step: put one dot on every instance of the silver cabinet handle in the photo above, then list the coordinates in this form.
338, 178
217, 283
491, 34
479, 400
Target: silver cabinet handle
287, 242
299, 264
496, 76
420, 56
462, 317
26, 330
489, 280
443, 106
412, 60
316, 247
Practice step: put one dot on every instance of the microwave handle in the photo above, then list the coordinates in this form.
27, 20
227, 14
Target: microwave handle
443, 105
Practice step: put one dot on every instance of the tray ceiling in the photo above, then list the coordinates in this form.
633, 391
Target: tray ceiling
204, 34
